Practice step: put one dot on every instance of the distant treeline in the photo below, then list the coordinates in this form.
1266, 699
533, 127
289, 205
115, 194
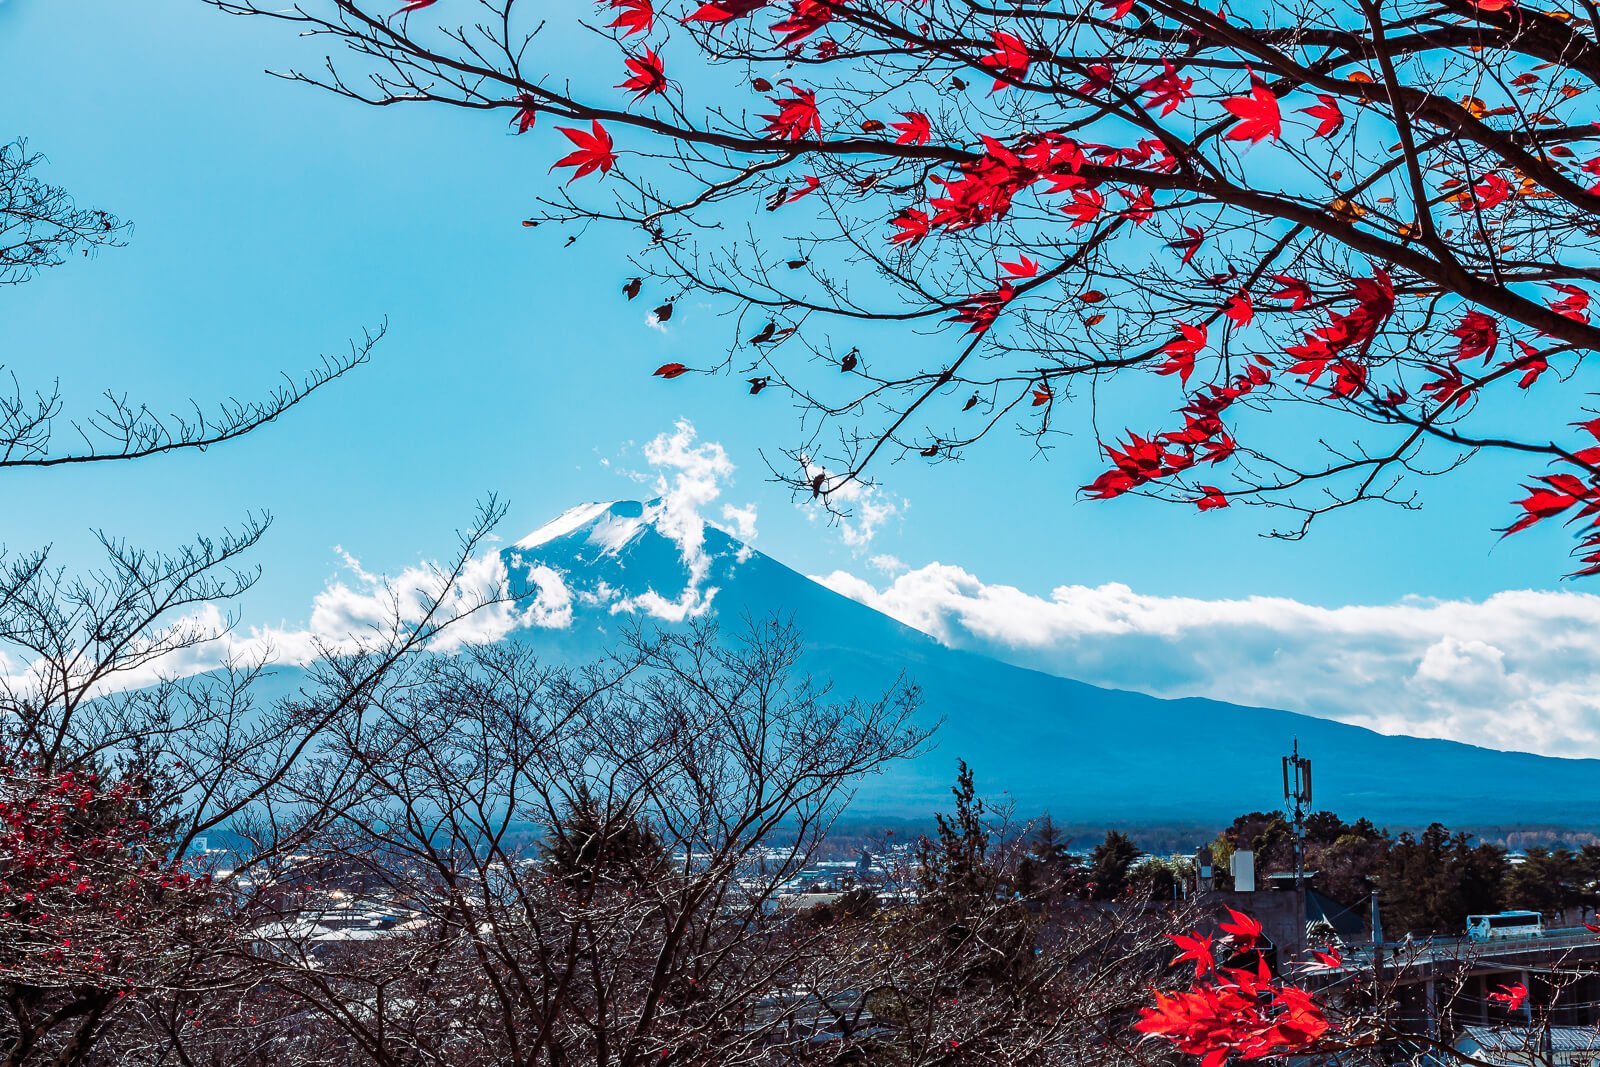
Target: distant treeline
849, 836
1427, 881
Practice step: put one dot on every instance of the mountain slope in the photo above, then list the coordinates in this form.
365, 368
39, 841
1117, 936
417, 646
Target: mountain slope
1080, 751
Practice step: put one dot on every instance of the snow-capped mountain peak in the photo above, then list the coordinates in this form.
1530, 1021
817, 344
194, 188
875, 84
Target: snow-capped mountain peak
1079, 750
607, 524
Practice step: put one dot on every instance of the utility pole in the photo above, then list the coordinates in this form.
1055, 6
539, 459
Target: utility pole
1297, 799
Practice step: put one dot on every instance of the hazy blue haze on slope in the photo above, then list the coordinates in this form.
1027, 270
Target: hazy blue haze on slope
1084, 753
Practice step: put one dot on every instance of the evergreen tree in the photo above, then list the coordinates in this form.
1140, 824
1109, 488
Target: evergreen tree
1324, 828
953, 867
1480, 881
1268, 835
1162, 880
969, 898
1433, 882
1550, 881
1110, 864
593, 843
1048, 868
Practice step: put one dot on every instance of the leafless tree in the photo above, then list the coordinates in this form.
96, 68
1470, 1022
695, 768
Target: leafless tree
121, 754
41, 226
582, 862
599, 867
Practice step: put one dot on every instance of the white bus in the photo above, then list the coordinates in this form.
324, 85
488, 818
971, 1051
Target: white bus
1507, 924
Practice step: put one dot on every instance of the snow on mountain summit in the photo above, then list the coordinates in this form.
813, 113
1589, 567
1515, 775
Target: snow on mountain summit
609, 525
629, 557
1083, 752
567, 522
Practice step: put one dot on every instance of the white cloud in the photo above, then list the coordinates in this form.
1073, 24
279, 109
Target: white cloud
1518, 670
344, 613
691, 475
741, 522
551, 608
361, 605
360, 608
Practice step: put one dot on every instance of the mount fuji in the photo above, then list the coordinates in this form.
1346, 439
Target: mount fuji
1084, 753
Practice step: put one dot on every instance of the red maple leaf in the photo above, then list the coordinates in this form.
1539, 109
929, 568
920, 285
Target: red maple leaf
1085, 207
1330, 120
645, 75
1102, 76
1243, 929
1009, 60
414, 5
1197, 947
1239, 308
633, 16
812, 184
1141, 205
1490, 192
805, 18
1478, 335
1213, 498
1232, 1013
1448, 386
1182, 350
725, 10
1574, 302
1294, 290
1166, 89
1190, 244
593, 153
1349, 377
526, 114
984, 190
915, 130
1559, 492
1110, 484
670, 370
1023, 268
797, 116
980, 310
1513, 995
913, 226
1329, 959
1258, 114
1532, 364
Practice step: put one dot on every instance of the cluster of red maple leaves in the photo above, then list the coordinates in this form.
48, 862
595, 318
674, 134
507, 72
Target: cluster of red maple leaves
1351, 341
1235, 1010
1555, 494
79, 869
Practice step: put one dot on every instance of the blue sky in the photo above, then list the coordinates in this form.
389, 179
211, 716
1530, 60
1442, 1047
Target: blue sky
273, 221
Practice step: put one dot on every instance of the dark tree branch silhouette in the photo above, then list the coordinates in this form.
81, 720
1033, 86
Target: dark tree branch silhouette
41, 226
1295, 257
120, 757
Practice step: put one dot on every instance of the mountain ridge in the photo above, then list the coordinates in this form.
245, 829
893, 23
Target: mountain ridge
1081, 751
